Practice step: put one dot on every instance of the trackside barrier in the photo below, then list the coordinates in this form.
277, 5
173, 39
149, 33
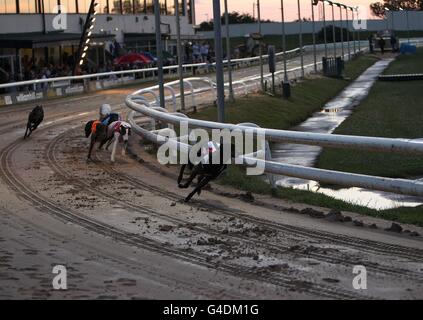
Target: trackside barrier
398, 186
32, 90
248, 85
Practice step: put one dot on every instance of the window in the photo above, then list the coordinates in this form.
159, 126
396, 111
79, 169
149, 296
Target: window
28, 6
116, 7
170, 7
83, 6
7, 6
149, 6
139, 6
163, 6
102, 6
70, 6
127, 6
190, 13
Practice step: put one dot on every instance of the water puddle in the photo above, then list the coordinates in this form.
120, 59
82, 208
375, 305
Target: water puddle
326, 121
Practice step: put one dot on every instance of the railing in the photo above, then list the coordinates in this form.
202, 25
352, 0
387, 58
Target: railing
38, 89
400, 186
150, 110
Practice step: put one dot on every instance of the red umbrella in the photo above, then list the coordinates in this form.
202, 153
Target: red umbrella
132, 58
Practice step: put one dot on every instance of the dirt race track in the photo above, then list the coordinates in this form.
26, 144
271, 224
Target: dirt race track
123, 232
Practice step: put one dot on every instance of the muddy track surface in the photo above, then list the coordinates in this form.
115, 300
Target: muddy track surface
123, 231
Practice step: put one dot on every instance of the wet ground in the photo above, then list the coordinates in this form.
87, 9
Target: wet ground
326, 121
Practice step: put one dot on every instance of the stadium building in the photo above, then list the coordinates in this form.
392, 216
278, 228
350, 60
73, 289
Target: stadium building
36, 32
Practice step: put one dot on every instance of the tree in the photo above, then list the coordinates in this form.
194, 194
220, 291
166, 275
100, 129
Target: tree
378, 8
234, 18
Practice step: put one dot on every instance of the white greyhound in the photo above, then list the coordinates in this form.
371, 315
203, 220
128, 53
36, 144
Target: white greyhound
118, 131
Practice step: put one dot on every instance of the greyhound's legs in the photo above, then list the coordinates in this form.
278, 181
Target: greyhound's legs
109, 142
194, 173
90, 150
181, 173
124, 147
26, 131
203, 183
200, 180
114, 150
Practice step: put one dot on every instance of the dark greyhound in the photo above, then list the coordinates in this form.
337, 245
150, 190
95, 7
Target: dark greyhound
35, 118
206, 172
98, 133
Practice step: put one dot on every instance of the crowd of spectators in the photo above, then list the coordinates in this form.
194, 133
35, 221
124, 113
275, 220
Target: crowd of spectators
40, 69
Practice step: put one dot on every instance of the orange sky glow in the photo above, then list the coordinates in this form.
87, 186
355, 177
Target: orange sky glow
270, 9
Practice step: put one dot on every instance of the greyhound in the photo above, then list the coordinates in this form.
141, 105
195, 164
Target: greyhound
35, 118
118, 131
98, 133
206, 170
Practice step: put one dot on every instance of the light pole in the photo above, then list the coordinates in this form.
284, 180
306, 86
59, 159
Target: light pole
393, 19
260, 48
220, 81
387, 20
159, 53
285, 73
314, 3
354, 35
333, 28
358, 32
228, 53
301, 38
408, 23
348, 33
180, 58
324, 29
342, 30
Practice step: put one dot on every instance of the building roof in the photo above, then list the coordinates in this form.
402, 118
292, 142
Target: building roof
40, 40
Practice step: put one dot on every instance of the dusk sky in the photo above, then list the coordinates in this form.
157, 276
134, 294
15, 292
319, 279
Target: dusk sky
270, 8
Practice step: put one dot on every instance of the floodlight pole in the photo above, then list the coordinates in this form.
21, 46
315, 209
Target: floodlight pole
342, 30
220, 81
348, 33
159, 53
301, 38
324, 29
260, 46
228, 53
180, 57
285, 71
314, 35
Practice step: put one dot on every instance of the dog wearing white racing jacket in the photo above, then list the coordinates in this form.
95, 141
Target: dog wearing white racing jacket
118, 131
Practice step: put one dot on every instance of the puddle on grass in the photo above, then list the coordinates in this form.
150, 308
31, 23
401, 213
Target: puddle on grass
326, 121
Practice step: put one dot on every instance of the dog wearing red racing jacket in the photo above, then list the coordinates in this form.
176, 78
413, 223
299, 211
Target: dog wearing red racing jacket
118, 131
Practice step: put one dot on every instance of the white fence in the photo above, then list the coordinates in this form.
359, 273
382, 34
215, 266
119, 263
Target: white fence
139, 104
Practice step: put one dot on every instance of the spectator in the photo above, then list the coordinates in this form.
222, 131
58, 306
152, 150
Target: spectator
382, 44
196, 52
371, 43
393, 43
204, 50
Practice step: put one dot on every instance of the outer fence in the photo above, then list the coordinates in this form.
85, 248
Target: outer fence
33, 90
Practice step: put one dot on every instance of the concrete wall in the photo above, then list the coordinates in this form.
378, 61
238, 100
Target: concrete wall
399, 18
120, 24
